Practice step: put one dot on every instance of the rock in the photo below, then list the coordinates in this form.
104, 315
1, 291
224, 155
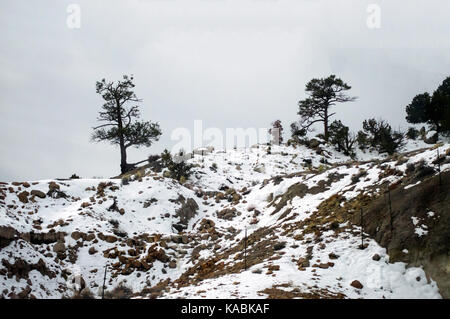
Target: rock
23, 196
24, 293
92, 251
56, 193
206, 224
37, 193
78, 282
59, 248
303, 263
76, 235
53, 186
85, 204
260, 169
110, 239
333, 256
121, 211
376, 257
279, 246
176, 239
26, 184
161, 256
179, 227
163, 244
184, 239
356, 284
227, 213
166, 174
274, 267
313, 143
172, 264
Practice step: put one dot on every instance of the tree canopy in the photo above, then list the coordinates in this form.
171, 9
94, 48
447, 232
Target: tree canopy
432, 109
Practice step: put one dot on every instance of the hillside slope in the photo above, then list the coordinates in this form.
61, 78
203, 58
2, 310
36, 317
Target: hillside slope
300, 209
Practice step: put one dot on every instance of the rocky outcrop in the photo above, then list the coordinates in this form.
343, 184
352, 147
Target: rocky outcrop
8, 234
20, 268
398, 235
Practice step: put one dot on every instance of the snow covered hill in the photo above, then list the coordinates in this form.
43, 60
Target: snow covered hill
247, 224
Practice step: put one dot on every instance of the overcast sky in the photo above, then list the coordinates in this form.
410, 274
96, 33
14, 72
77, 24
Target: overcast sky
235, 63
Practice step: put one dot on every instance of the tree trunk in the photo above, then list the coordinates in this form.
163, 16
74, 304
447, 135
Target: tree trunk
123, 150
325, 124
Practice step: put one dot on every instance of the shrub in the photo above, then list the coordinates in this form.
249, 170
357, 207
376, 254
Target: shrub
153, 158
297, 133
340, 137
166, 158
363, 140
114, 222
382, 137
178, 170
119, 292
321, 168
412, 133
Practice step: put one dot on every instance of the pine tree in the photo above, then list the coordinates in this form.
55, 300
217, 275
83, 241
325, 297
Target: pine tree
323, 94
121, 127
432, 109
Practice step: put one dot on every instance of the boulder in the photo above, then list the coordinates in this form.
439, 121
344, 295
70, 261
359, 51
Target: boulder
179, 227
38, 193
59, 248
110, 239
279, 246
53, 186
356, 284
23, 196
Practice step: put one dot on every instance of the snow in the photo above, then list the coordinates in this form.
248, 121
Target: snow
235, 169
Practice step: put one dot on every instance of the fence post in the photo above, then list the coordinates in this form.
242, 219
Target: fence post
104, 281
245, 250
362, 230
